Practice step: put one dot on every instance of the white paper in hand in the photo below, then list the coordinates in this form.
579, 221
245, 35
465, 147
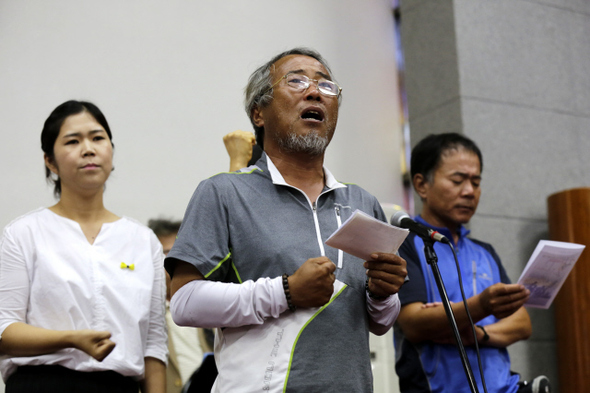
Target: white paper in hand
362, 235
547, 270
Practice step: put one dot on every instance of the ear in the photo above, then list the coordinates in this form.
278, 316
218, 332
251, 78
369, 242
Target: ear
421, 185
50, 163
257, 117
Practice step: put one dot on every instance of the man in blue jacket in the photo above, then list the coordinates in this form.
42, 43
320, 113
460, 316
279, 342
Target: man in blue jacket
446, 174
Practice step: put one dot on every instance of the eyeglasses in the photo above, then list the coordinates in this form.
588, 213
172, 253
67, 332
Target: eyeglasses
301, 83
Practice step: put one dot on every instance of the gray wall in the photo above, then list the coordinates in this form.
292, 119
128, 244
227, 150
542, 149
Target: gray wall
513, 75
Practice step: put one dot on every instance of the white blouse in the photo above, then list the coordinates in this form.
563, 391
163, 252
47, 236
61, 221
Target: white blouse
51, 277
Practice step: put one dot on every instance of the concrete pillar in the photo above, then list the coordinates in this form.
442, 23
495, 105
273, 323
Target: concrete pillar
513, 75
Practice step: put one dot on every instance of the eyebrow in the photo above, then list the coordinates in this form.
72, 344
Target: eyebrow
75, 134
300, 71
466, 175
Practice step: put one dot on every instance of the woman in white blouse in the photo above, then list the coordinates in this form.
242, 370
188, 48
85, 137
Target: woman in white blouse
81, 289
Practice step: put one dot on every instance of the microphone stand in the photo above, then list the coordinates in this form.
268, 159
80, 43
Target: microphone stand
432, 260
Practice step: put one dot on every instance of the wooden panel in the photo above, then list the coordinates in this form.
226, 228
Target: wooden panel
569, 221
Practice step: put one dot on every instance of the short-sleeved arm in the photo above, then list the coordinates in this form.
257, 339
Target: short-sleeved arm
203, 238
14, 282
414, 289
156, 343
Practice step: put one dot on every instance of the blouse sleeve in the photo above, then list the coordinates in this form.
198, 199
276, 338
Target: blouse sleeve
14, 282
156, 345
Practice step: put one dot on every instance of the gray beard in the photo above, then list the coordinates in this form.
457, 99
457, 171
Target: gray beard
310, 143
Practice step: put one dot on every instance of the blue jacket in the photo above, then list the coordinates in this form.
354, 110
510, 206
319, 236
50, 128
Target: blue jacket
430, 367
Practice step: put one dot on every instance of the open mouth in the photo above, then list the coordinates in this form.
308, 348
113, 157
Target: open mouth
312, 114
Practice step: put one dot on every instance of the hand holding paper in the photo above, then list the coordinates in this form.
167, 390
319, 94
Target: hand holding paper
386, 272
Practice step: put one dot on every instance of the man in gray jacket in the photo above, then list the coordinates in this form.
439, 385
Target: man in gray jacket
292, 313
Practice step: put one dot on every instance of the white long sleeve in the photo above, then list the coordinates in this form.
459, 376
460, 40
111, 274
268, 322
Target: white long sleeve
211, 304
383, 313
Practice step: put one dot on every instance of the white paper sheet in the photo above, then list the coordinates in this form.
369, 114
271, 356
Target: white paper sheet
547, 269
362, 235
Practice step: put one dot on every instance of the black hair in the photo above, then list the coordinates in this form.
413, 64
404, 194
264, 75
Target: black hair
256, 154
164, 227
53, 125
427, 154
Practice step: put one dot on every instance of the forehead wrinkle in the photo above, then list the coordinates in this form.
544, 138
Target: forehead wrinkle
464, 174
299, 71
310, 65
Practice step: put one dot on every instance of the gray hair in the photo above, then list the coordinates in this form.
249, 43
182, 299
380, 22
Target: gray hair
258, 92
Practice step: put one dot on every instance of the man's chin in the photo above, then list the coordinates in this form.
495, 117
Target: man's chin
310, 143
464, 218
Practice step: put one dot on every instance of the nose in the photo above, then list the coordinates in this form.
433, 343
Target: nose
87, 148
313, 90
468, 189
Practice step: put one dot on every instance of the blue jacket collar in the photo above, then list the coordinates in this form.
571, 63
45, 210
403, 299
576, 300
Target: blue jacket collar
444, 230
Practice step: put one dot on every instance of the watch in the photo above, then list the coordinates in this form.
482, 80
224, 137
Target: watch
486, 336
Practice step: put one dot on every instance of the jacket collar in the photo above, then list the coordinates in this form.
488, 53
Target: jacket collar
444, 230
277, 178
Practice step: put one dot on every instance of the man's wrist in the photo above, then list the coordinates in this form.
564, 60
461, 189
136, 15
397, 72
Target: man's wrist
371, 294
486, 336
287, 291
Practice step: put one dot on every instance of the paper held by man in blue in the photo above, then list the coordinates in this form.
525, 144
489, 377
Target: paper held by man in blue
547, 269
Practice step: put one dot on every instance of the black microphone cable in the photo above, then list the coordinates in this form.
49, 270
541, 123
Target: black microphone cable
483, 380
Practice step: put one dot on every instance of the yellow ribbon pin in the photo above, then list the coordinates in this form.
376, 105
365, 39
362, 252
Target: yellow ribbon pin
126, 266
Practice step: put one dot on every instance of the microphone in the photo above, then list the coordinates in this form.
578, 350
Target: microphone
403, 220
